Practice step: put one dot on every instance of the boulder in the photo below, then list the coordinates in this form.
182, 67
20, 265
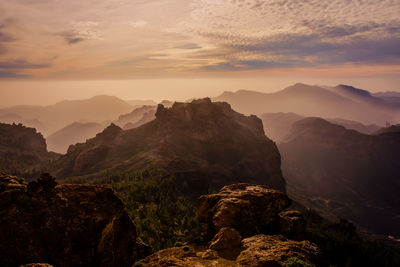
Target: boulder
226, 239
64, 225
250, 209
275, 250
292, 224
185, 257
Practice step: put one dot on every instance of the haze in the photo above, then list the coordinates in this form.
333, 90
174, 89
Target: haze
53, 50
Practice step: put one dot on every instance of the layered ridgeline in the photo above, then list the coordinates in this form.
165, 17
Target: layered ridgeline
71, 134
160, 168
80, 131
345, 173
54, 117
23, 151
278, 125
342, 101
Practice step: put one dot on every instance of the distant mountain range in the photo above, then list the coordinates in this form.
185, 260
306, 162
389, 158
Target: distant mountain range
73, 133
345, 102
52, 118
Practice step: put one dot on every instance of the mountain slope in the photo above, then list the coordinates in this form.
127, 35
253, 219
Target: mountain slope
309, 100
207, 143
344, 173
71, 134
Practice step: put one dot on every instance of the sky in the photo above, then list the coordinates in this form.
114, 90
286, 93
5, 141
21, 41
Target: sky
180, 48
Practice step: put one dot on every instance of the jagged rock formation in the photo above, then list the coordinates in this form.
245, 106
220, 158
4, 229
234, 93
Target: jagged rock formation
64, 225
344, 173
236, 211
248, 209
274, 250
22, 149
208, 144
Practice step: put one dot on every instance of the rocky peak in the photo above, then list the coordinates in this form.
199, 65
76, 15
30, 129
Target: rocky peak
206, 143
212, 114
17, 136
110, 132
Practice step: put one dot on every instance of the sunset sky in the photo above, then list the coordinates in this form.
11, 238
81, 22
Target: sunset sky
182, 48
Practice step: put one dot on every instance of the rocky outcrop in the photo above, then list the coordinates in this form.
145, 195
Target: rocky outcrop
22, 149
275, 250
241, 210
64, 225
208, 145
249, 209
37, 265
292, 224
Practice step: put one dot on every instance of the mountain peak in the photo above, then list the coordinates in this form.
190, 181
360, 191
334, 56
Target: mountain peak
200, 140
352, 90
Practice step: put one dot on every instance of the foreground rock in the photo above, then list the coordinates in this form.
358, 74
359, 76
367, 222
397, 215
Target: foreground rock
241, 210
64, 225
275, 250
250, 209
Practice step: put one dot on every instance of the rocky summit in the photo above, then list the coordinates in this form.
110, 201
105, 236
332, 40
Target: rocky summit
237, 211
22, 149
64, 225
247, 208
207, 143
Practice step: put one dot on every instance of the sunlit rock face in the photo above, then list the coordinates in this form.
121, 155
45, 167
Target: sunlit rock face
237, 211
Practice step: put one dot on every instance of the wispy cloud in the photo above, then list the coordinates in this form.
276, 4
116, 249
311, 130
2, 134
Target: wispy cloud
21, 64
197, 35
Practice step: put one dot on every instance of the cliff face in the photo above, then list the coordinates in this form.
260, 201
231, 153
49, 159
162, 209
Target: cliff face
207, 141
64, 225
344, 173
22, 149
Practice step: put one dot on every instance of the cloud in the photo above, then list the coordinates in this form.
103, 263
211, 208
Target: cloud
11, 74
257, 34
77, 36
21, 64
188, 46
139, 23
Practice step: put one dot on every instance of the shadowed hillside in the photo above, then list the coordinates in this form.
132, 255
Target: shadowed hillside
344, 173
